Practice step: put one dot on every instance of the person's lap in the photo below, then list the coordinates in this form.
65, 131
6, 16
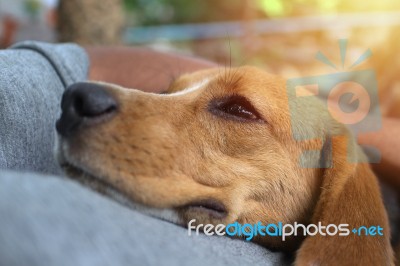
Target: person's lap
49, 220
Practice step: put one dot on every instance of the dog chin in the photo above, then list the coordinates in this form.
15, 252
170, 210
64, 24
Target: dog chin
84, 177
205, 209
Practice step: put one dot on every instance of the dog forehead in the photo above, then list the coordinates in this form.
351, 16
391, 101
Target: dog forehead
248, 79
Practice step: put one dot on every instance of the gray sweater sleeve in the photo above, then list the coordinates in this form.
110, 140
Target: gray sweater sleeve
33, 77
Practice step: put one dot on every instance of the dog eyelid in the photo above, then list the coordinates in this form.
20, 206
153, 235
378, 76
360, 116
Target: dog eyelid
234, 107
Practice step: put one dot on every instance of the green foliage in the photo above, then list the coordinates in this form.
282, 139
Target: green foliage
155, 12
32, 7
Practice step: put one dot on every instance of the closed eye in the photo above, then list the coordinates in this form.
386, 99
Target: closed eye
235, 107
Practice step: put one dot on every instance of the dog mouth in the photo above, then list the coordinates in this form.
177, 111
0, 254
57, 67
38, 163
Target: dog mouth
95, 183
211, 207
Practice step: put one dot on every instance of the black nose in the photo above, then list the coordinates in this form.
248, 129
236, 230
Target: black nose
84, 103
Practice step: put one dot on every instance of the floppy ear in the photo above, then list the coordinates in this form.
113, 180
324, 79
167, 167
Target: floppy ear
349, 195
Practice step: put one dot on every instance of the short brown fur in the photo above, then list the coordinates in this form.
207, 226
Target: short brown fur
165, 151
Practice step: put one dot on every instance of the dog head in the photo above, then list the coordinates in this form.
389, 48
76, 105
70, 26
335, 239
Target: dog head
219, 148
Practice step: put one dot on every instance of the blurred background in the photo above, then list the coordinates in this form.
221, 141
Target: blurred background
244, 31
279, 35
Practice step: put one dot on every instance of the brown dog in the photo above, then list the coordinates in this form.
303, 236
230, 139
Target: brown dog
219, 148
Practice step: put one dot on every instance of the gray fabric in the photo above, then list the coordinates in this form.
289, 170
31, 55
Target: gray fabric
47, 220
50, 221
33, 77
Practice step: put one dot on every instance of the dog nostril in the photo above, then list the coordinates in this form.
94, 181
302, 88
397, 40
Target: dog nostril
93, 103
81, 103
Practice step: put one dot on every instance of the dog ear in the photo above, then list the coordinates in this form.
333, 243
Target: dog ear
349, 195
